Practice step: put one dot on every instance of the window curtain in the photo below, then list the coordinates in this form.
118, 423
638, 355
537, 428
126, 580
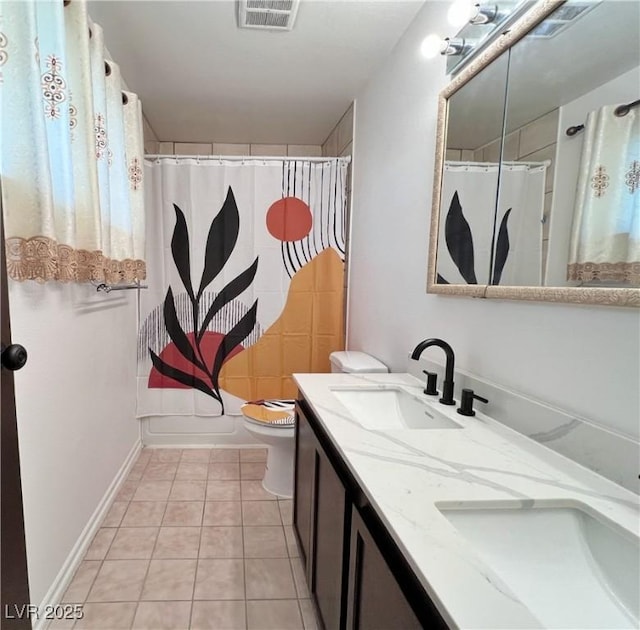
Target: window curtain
71, 149
605, 239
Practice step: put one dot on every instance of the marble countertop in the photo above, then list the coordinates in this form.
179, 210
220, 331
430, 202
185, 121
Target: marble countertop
406, 474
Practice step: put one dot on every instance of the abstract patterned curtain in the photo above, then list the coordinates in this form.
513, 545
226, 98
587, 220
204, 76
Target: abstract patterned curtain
467, 230
605, 239
246, 281
71, 149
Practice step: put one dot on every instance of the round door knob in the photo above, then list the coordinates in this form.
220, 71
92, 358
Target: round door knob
14, 357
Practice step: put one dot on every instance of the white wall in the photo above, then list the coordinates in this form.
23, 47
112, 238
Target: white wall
75, 403
581, 358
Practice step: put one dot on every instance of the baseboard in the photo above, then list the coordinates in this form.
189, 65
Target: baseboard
64, 577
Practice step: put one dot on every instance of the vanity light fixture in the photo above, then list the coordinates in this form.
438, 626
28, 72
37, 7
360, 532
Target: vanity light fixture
433, 44
464, 12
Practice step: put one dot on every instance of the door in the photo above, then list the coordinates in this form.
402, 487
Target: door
13, 556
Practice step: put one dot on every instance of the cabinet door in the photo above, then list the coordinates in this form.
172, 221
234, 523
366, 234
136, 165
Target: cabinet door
328, 579
376, 602
304, 485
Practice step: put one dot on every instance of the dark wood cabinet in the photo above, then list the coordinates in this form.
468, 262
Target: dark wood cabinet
357, 576
375, 600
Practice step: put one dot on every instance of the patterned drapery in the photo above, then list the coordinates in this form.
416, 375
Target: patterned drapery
605, 240
71, 149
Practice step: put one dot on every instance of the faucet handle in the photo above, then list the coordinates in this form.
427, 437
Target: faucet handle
466, 402
432, 379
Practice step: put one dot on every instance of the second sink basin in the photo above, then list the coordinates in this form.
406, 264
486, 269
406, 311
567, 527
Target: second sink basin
385, 408
572, 570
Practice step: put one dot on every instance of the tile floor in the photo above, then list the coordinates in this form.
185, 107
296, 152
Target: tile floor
193, 541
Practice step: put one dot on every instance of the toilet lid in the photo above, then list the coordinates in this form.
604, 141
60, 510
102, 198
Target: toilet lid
275, 413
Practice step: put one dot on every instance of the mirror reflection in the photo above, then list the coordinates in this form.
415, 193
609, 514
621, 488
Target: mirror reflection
577, 150
543, 188
470, 177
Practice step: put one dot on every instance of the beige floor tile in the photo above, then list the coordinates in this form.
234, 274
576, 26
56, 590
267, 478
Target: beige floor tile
100, 544
253, 455
145, 455
136, 472
196, 455
183, 513
299, 578
225, 455
177, 543
112, 616
220, 579
81, 583
224, 471
221, 542
252, 470
169, 580
269, 579
227, 513
115, 514
292, 543
119, 581
223, 490
160, 471
286, 511
127, 490
144, 513
62, 624
221, 615
260, 513
166, 454
188, 490
133, 543
252, 490
191, 471
308, 614
264, 542
152, 491
162, 616
281, 614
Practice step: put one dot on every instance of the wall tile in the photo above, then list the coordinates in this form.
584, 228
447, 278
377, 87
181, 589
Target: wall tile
548, 153
192, 148
452, 154
512, 146
348, 150
166, 148
268, 149
491, 152
466, 155
151, 147
230, 149
304, 150
539, 134
330, 146
345, 130
147, 131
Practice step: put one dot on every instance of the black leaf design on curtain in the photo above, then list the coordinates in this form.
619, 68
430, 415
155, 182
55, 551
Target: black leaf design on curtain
502, 248
222, 238
230, 292
182, 377
441, 280
221, 241
460, 241
180, 251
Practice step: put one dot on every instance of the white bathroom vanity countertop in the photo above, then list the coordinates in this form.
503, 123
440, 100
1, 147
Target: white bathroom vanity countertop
407, 474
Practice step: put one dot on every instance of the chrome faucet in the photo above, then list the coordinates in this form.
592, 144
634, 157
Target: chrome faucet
447, 386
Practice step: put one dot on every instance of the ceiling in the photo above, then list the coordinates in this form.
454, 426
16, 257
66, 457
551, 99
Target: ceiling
201, 79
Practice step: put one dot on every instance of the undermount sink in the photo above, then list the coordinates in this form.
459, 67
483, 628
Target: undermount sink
385, 408
570, 569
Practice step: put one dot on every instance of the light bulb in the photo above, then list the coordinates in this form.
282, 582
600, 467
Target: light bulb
460, 12
432, 46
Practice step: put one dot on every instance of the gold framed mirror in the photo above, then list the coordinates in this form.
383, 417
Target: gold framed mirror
529, 201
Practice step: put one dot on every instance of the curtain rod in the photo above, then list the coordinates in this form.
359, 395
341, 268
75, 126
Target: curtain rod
247, 158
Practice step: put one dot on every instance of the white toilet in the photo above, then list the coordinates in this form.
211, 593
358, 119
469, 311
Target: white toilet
278, 478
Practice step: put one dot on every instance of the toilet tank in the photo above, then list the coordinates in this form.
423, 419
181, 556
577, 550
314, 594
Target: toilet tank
352, 362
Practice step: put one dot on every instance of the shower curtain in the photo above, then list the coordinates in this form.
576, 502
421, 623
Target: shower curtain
245, 263
467, 232
605, 239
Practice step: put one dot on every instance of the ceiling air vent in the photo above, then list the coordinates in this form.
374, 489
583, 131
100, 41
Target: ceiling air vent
276, 15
